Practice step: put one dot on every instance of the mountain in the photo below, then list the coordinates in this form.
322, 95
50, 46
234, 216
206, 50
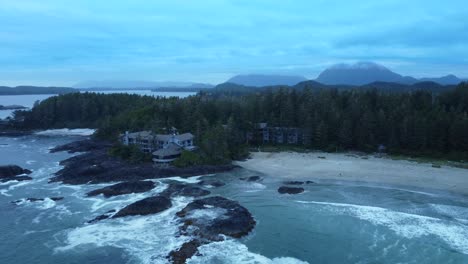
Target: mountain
361, 73
445, 80
138, 84
259, 80
232, 89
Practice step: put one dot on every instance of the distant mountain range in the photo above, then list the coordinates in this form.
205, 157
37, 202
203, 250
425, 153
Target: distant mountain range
363, 73
237, 89
357, 74
138, 85
259, 80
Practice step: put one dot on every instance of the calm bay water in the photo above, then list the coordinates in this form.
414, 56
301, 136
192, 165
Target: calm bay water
29, 99
329, 223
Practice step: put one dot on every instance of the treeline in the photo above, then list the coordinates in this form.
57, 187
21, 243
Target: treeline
418, 122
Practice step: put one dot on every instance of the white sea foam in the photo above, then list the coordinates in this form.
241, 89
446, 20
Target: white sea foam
147, 238
119, 201
208, 213
231, 251
194, 179
13, 185
252, 187
405, 224
66, 132
457, 212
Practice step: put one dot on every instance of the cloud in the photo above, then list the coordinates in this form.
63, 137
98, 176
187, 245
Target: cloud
209, 40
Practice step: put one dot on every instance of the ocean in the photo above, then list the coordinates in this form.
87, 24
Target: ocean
330, 222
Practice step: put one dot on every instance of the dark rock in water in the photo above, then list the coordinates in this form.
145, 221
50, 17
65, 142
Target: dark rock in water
55, 199
297, 182
124, 188
82, 146
179, 189
17, 178
102, 217
290, 190
96, 166
150, 205
8, 171
213, 183
186, 251
223, 217
228, 218
251, 178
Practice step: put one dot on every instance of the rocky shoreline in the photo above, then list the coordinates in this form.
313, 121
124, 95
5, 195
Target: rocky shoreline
96, 166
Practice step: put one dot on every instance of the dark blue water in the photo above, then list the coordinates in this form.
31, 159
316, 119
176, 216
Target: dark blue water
329, 223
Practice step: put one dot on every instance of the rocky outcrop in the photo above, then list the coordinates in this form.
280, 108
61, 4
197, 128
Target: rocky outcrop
12, 172
290, 190
186, 251
82, 146
234, 220
210, 219
124, 188
150, 205
96, 166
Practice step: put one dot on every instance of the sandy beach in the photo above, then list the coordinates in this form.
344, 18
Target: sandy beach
345, 167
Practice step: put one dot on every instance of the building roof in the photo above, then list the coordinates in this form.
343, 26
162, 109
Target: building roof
171, 150
185, 136
181, 137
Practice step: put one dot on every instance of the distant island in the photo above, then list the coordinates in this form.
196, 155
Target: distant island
259, 80
142, 85
12, 107
22, 90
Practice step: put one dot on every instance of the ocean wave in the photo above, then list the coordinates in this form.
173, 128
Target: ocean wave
13, 185
67, 132
149, 239
119, 201
458, 213
193, 179
231, 251
405, 225
252, 186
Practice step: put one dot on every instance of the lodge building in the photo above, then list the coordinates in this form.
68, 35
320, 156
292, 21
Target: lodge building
165, 148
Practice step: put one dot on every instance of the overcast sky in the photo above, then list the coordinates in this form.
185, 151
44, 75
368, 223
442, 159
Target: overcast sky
62, 42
